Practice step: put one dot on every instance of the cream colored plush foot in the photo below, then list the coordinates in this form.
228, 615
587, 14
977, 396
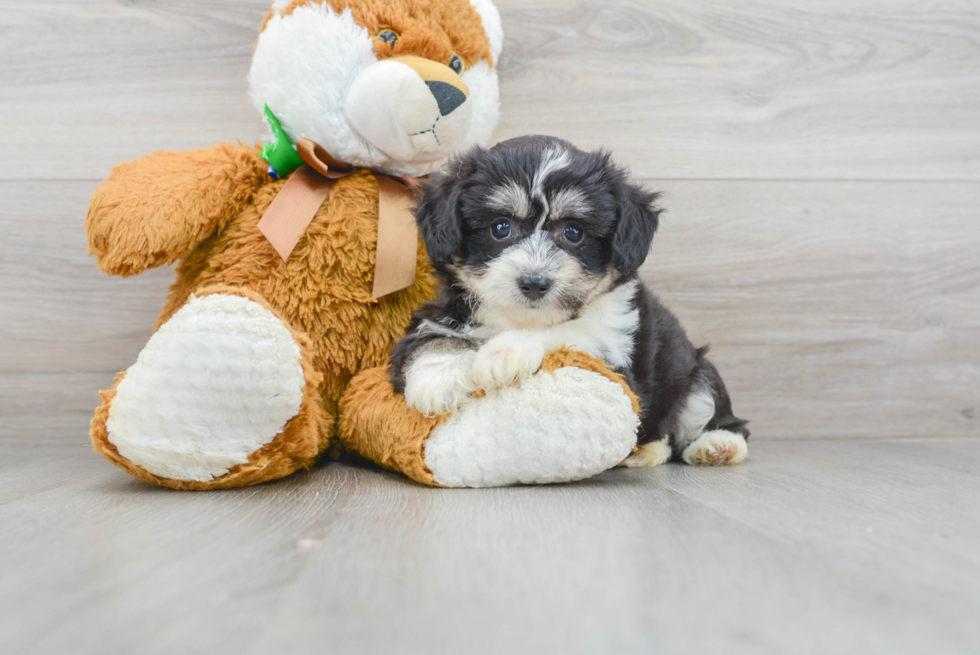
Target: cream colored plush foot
717, 448
558, 427
218, 381
654, 453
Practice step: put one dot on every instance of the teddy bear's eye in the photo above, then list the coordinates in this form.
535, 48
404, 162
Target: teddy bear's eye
456, 64
388, 36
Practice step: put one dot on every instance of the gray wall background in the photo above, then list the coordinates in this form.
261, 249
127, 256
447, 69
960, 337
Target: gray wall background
820, 163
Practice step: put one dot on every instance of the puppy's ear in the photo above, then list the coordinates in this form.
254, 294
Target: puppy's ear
437, 211
638, 220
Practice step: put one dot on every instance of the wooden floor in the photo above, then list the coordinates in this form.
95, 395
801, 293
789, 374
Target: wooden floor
811, 547
821, 169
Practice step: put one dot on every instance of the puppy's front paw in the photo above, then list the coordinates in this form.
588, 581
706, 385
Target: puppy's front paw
507, 359
438, 383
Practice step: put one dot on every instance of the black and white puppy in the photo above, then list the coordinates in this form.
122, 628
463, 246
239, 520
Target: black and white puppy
538, 244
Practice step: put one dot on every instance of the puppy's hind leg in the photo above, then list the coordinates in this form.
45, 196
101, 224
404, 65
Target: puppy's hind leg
652, 453
707, 432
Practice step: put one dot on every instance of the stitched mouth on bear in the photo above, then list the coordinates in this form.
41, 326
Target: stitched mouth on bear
410, 108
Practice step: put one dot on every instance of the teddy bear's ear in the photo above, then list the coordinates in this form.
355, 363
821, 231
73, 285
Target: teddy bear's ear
437, 212
491, 25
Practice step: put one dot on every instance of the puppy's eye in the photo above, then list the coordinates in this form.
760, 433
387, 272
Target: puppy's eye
456, 64
500, 230
573, 234
388, 36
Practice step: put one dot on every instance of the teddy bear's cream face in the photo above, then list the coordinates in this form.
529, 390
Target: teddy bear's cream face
394, 85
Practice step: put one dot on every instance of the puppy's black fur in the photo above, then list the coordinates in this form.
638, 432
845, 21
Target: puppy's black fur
459, 214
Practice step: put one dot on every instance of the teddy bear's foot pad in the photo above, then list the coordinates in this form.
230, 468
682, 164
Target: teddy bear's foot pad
218, 381
566, 426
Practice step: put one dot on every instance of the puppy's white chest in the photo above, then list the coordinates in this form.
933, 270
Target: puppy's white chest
605, 329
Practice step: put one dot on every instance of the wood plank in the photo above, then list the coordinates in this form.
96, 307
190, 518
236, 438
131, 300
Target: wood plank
879, 490
680, 88
810, 547
92, 84
59, 312
50, 408
834, 310
768, 90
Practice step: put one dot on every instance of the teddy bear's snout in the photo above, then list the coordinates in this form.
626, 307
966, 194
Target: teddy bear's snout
413, 109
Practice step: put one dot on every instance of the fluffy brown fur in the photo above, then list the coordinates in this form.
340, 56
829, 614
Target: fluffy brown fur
203, 208
377, 424
434, 29
158, 208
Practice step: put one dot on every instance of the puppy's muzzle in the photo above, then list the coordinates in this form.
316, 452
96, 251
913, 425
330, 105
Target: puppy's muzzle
412, 109
534, 286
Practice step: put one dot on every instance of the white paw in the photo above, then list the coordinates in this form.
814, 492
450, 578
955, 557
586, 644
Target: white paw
507, 359
438, 383
717, 448
654, 453
218, 381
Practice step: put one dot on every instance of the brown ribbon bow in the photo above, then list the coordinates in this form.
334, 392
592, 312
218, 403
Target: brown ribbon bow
294, 208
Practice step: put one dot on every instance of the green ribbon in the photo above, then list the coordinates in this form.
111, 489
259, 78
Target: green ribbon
280, 154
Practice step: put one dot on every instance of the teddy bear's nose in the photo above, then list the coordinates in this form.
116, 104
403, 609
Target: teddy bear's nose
448, 96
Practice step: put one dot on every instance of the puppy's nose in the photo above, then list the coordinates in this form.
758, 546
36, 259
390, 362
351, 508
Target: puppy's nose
447, 96
534, 286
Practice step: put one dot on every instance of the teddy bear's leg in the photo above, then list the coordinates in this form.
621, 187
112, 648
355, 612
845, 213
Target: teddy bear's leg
572, 419
377, 424
223, 395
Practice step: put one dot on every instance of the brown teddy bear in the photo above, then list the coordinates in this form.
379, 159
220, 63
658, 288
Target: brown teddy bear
296, 268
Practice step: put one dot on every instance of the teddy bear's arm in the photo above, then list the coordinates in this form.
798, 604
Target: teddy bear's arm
156, 209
